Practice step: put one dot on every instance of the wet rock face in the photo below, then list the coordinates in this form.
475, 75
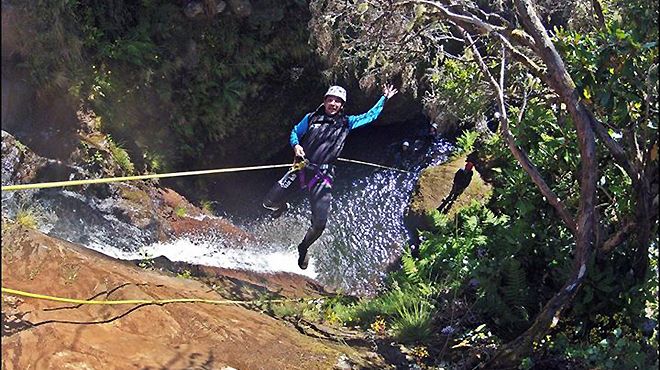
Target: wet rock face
38, 333
44, 120
123, 216
116, 212
18, 163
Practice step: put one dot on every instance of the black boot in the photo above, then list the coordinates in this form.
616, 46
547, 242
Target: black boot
303, 257
278, 212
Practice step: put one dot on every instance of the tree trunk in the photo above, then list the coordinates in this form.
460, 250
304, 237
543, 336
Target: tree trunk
561, 82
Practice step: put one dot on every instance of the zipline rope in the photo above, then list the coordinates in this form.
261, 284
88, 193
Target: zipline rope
56, 184
135, 301
373, 165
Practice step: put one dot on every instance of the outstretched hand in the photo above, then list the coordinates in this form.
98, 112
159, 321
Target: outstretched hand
389, 91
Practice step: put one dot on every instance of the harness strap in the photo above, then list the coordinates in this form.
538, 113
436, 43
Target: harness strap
318, 175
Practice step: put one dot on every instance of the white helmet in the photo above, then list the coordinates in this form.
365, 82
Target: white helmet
337, 91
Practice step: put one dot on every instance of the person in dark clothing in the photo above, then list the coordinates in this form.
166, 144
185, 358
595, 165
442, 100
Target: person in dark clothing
401, 154
317, 141
462, 179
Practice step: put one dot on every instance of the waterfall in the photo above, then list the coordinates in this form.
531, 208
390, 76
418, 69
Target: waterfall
364, 234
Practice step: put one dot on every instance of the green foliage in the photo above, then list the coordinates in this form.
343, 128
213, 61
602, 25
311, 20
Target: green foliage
339, 309
368, 310
207, 207
155, 161
172, 85
465, 142
47, 37
456, 93
473, 337
121, 156
146, 259
450, 254
287, 309
185, 274
614, 71
412, 322
180, 211
406, 312
617, 350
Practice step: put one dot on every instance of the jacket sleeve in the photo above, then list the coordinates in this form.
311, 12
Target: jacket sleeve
299, 130
370, 116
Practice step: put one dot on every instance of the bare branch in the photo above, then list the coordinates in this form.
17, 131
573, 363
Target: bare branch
517, 152
561, 82
484, 27
615, 149
505, 34
521, 57
619, 237
598, 9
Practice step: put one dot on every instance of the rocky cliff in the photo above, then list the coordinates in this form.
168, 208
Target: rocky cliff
42, 334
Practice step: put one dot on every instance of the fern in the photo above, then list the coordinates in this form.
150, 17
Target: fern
410, 269
516, 283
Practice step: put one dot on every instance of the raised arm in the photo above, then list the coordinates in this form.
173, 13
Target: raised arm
374, 112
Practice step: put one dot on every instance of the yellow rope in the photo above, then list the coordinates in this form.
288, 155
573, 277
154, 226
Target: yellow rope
132, 301
373, 165
56, 184
138, 177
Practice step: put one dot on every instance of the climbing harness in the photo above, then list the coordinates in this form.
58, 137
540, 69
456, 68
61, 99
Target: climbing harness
56, 184
319, 174
136, 301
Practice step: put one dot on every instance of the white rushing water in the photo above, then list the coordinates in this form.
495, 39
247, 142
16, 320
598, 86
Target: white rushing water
364, 234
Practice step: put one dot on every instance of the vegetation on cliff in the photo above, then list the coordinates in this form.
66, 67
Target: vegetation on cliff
173, 85
559, 268
565, 254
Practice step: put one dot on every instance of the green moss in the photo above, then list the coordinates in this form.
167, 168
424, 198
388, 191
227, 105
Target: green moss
27, 217
435, 183
135, 195
207, 207
180, 211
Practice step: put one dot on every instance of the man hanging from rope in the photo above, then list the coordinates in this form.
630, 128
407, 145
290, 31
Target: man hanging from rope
317, 140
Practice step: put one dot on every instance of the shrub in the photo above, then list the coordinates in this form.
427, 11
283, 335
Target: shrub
413, 322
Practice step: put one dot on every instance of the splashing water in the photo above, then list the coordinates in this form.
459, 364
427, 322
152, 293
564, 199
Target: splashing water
365, 231
364, 234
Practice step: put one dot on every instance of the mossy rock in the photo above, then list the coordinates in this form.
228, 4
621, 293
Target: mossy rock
434, 185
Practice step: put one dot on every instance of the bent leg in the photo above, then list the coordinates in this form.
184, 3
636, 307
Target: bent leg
275, 200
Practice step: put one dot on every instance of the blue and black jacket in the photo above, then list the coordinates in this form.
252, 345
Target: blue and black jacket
323, 137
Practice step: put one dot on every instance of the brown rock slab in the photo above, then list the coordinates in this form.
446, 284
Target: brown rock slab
42, 334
